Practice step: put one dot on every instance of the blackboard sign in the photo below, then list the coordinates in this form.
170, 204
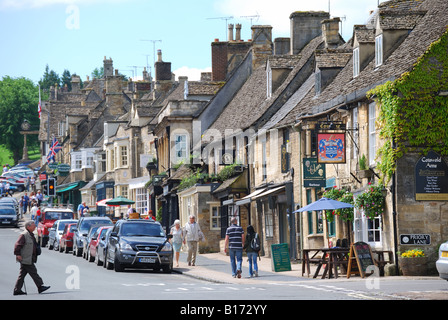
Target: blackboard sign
280, 257
431, 178
314, 175
362, 254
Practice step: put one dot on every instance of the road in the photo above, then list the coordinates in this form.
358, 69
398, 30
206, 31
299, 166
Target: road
73, 278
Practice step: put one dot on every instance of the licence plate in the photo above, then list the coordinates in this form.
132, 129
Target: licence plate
6, 221
445, 254
147, 260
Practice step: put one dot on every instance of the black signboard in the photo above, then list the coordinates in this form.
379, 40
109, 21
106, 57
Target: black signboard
415, 239
431, 178
314, 175
280, 257
361, 252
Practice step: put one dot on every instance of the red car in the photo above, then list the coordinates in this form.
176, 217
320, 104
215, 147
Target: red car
96, 238
66, 242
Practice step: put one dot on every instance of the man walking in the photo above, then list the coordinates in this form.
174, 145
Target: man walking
234, 244
26, 253
193, 236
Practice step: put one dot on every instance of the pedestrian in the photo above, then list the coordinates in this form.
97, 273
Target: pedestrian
252, 246
26, 199
193, 235
178, 238
26, 251
33, 213
39, 197
234, 245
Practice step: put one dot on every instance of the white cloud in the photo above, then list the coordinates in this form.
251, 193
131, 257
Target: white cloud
193, 74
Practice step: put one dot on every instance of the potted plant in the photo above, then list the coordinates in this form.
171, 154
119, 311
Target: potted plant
364, 170
413, 262
371, 201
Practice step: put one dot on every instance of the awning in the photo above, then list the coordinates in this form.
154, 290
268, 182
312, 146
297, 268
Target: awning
247, 199
70, 186
268, 192
138, 183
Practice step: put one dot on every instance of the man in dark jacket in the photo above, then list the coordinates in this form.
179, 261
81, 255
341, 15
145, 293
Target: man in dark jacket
26, 253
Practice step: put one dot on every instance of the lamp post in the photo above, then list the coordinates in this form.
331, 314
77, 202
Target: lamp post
25, 126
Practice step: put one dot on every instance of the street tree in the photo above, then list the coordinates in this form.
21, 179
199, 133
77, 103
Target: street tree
19, 98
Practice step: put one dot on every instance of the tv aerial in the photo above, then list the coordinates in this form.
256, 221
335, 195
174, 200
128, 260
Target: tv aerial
223, 18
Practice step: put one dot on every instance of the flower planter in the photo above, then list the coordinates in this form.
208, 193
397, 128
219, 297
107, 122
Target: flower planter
364, 174
413, 266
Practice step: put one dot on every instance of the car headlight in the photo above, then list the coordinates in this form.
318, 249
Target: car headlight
166, 247
125, 246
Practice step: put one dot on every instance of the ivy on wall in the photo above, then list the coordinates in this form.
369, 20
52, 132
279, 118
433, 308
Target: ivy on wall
412, 112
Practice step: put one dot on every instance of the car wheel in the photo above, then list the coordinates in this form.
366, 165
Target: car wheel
60, 248
50, 247
118, 267
108, 264
168, 268
91, 259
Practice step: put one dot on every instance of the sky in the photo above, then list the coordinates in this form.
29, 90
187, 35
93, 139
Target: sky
77, 34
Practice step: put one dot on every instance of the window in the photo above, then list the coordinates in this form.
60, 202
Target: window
372, 133
76, 161
180, 148
124, 191
215, 217
61, 128
264, 160
355, 62
101, 163
141, 200
367, 230
269, 82
268, 220
123, 156
355, 133
379, 50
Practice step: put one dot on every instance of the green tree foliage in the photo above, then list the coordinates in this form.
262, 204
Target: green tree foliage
19, 98
66, 79
50, 78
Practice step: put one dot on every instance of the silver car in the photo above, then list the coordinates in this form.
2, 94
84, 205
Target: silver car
56, 230
442, 263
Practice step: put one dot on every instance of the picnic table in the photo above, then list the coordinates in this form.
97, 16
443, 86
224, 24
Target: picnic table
330, 257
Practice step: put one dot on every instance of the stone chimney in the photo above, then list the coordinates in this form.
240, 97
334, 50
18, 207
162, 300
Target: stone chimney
238, 32
162, 69
108, 67
230, 32
330, 32
76, 84
282, 46
261, 44
305, 26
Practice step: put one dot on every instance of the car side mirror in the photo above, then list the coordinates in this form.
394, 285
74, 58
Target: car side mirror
114, 234
169, 236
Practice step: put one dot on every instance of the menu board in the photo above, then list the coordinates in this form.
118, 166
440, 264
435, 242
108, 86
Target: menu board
431, 178
361, 252
280, 257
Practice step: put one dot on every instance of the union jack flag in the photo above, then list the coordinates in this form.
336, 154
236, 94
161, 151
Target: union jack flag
55, 147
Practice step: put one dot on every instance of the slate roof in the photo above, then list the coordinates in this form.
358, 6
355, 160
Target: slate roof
345, 89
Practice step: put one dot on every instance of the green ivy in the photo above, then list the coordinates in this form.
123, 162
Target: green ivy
411, 111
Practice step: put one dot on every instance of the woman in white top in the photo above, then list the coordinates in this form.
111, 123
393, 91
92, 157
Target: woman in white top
178, 238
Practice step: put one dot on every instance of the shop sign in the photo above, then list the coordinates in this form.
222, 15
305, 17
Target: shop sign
331, 147
431, 178
415, 239
314, 175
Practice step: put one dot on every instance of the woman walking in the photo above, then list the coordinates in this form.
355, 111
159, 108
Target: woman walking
178, 238
252, 246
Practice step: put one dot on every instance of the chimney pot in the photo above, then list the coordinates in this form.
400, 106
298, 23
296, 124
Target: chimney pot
230, 32
238, 32
159, 55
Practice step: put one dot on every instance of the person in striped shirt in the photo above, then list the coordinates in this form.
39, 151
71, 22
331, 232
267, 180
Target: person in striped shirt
234, 245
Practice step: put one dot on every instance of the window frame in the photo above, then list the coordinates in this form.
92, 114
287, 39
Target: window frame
379, 50
356, 64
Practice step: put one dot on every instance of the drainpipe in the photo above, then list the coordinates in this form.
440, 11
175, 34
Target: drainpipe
394, 215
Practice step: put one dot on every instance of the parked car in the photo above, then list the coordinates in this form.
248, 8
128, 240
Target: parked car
101, 249
82, 228
442, 262
90, 236
56, 231
46, 221
94, 242
139, 244
8, 217
10, 201
66, 242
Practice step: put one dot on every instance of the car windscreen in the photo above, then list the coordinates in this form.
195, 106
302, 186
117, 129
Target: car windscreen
55, 215
7, 211
62, 224
87, 224
142, 229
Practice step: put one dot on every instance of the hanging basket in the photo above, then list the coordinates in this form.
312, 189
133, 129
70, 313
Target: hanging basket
413, 266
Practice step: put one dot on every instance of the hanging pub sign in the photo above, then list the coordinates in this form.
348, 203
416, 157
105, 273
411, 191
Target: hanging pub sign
331, 147
431, 178
314, 175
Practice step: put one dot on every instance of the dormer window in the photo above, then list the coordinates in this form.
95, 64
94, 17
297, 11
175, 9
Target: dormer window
378, 50
355, 62
268, 82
